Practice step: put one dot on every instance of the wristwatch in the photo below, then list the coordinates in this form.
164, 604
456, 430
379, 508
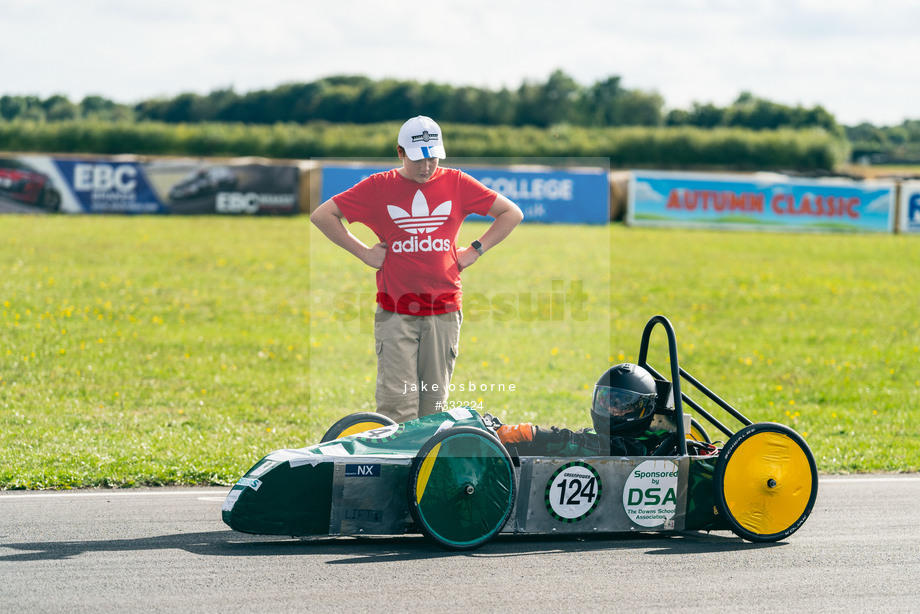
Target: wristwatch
478, 247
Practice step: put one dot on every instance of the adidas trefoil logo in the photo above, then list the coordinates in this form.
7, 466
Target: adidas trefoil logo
420, 220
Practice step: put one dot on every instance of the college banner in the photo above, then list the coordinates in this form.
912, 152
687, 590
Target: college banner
575, 196
762, 201
40, 184
910, 207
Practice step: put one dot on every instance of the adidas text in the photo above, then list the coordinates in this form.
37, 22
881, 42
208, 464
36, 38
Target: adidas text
413, 244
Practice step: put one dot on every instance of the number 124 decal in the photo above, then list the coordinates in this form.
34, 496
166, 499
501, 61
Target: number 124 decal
573, 492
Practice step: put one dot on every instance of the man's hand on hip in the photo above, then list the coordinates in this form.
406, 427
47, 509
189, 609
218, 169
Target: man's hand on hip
375, 255
466, 256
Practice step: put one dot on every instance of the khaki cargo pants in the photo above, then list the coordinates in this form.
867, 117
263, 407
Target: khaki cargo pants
415, 361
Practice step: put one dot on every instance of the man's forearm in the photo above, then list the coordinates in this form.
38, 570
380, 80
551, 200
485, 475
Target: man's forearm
334, 230
501, 227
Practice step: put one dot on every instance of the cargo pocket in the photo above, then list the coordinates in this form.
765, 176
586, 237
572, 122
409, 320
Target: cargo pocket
378, 348
452, 354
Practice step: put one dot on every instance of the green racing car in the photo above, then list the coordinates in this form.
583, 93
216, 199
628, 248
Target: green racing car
451, 477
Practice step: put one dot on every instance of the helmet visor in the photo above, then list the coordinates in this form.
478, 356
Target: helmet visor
622, 405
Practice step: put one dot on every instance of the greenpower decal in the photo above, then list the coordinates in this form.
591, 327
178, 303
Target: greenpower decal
381, 435
650, 493
573, 492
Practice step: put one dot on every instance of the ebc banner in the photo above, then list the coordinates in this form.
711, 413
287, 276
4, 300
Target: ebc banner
579, 196
769, 202
31, 184
191, 188
175, 187
109, 187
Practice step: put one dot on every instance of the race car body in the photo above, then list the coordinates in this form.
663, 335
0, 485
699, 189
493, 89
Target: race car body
359, 484
449, 477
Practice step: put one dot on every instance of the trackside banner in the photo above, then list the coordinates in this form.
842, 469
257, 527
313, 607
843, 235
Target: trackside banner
577, 196
762, 201
910, 207
43, 184
226, 189
97, 186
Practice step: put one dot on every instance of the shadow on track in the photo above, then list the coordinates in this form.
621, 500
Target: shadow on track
359, 550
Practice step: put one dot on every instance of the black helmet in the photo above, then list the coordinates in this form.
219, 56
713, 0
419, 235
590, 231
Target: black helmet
624, 400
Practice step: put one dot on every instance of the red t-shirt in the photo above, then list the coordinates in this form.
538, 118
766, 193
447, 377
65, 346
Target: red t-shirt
420, 223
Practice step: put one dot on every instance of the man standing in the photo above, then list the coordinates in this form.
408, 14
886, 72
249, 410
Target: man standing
416, 212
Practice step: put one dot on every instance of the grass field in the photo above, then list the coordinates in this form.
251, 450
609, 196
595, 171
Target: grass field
146, 350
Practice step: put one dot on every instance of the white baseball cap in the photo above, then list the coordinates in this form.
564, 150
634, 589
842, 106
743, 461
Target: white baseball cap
421, 138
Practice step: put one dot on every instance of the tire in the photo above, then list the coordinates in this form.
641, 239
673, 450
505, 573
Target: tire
50, 200
697, 432
766, 482
356, 423
461, 488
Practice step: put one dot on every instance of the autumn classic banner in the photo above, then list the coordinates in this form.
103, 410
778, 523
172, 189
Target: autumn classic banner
763, 201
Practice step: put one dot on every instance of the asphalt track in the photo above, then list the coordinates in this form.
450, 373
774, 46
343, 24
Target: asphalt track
167, 550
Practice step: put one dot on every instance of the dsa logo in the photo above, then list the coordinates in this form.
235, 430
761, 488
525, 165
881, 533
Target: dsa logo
420, 220
650, 493
250, 482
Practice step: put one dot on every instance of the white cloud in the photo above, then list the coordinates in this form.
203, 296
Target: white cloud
646, 193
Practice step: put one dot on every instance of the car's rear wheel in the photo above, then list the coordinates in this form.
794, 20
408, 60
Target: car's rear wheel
462, 488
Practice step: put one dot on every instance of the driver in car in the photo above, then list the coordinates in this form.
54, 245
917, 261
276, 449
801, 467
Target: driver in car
624, 403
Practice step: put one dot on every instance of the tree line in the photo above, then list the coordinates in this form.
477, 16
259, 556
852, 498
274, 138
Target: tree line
876, 145
361, 100
559, 100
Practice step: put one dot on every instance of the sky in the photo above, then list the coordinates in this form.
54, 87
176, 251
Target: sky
859, 59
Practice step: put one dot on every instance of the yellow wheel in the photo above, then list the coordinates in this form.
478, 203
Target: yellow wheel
353, 424
766, 482
697, 432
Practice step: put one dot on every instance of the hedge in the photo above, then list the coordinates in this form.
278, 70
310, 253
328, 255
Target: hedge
630, 147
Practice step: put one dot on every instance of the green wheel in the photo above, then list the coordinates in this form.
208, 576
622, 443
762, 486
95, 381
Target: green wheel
353, 424
766, 482
462, 488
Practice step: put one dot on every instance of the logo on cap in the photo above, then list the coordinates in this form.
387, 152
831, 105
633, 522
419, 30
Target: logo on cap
425, 137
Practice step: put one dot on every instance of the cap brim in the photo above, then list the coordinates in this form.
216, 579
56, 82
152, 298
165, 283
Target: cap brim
418, 153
